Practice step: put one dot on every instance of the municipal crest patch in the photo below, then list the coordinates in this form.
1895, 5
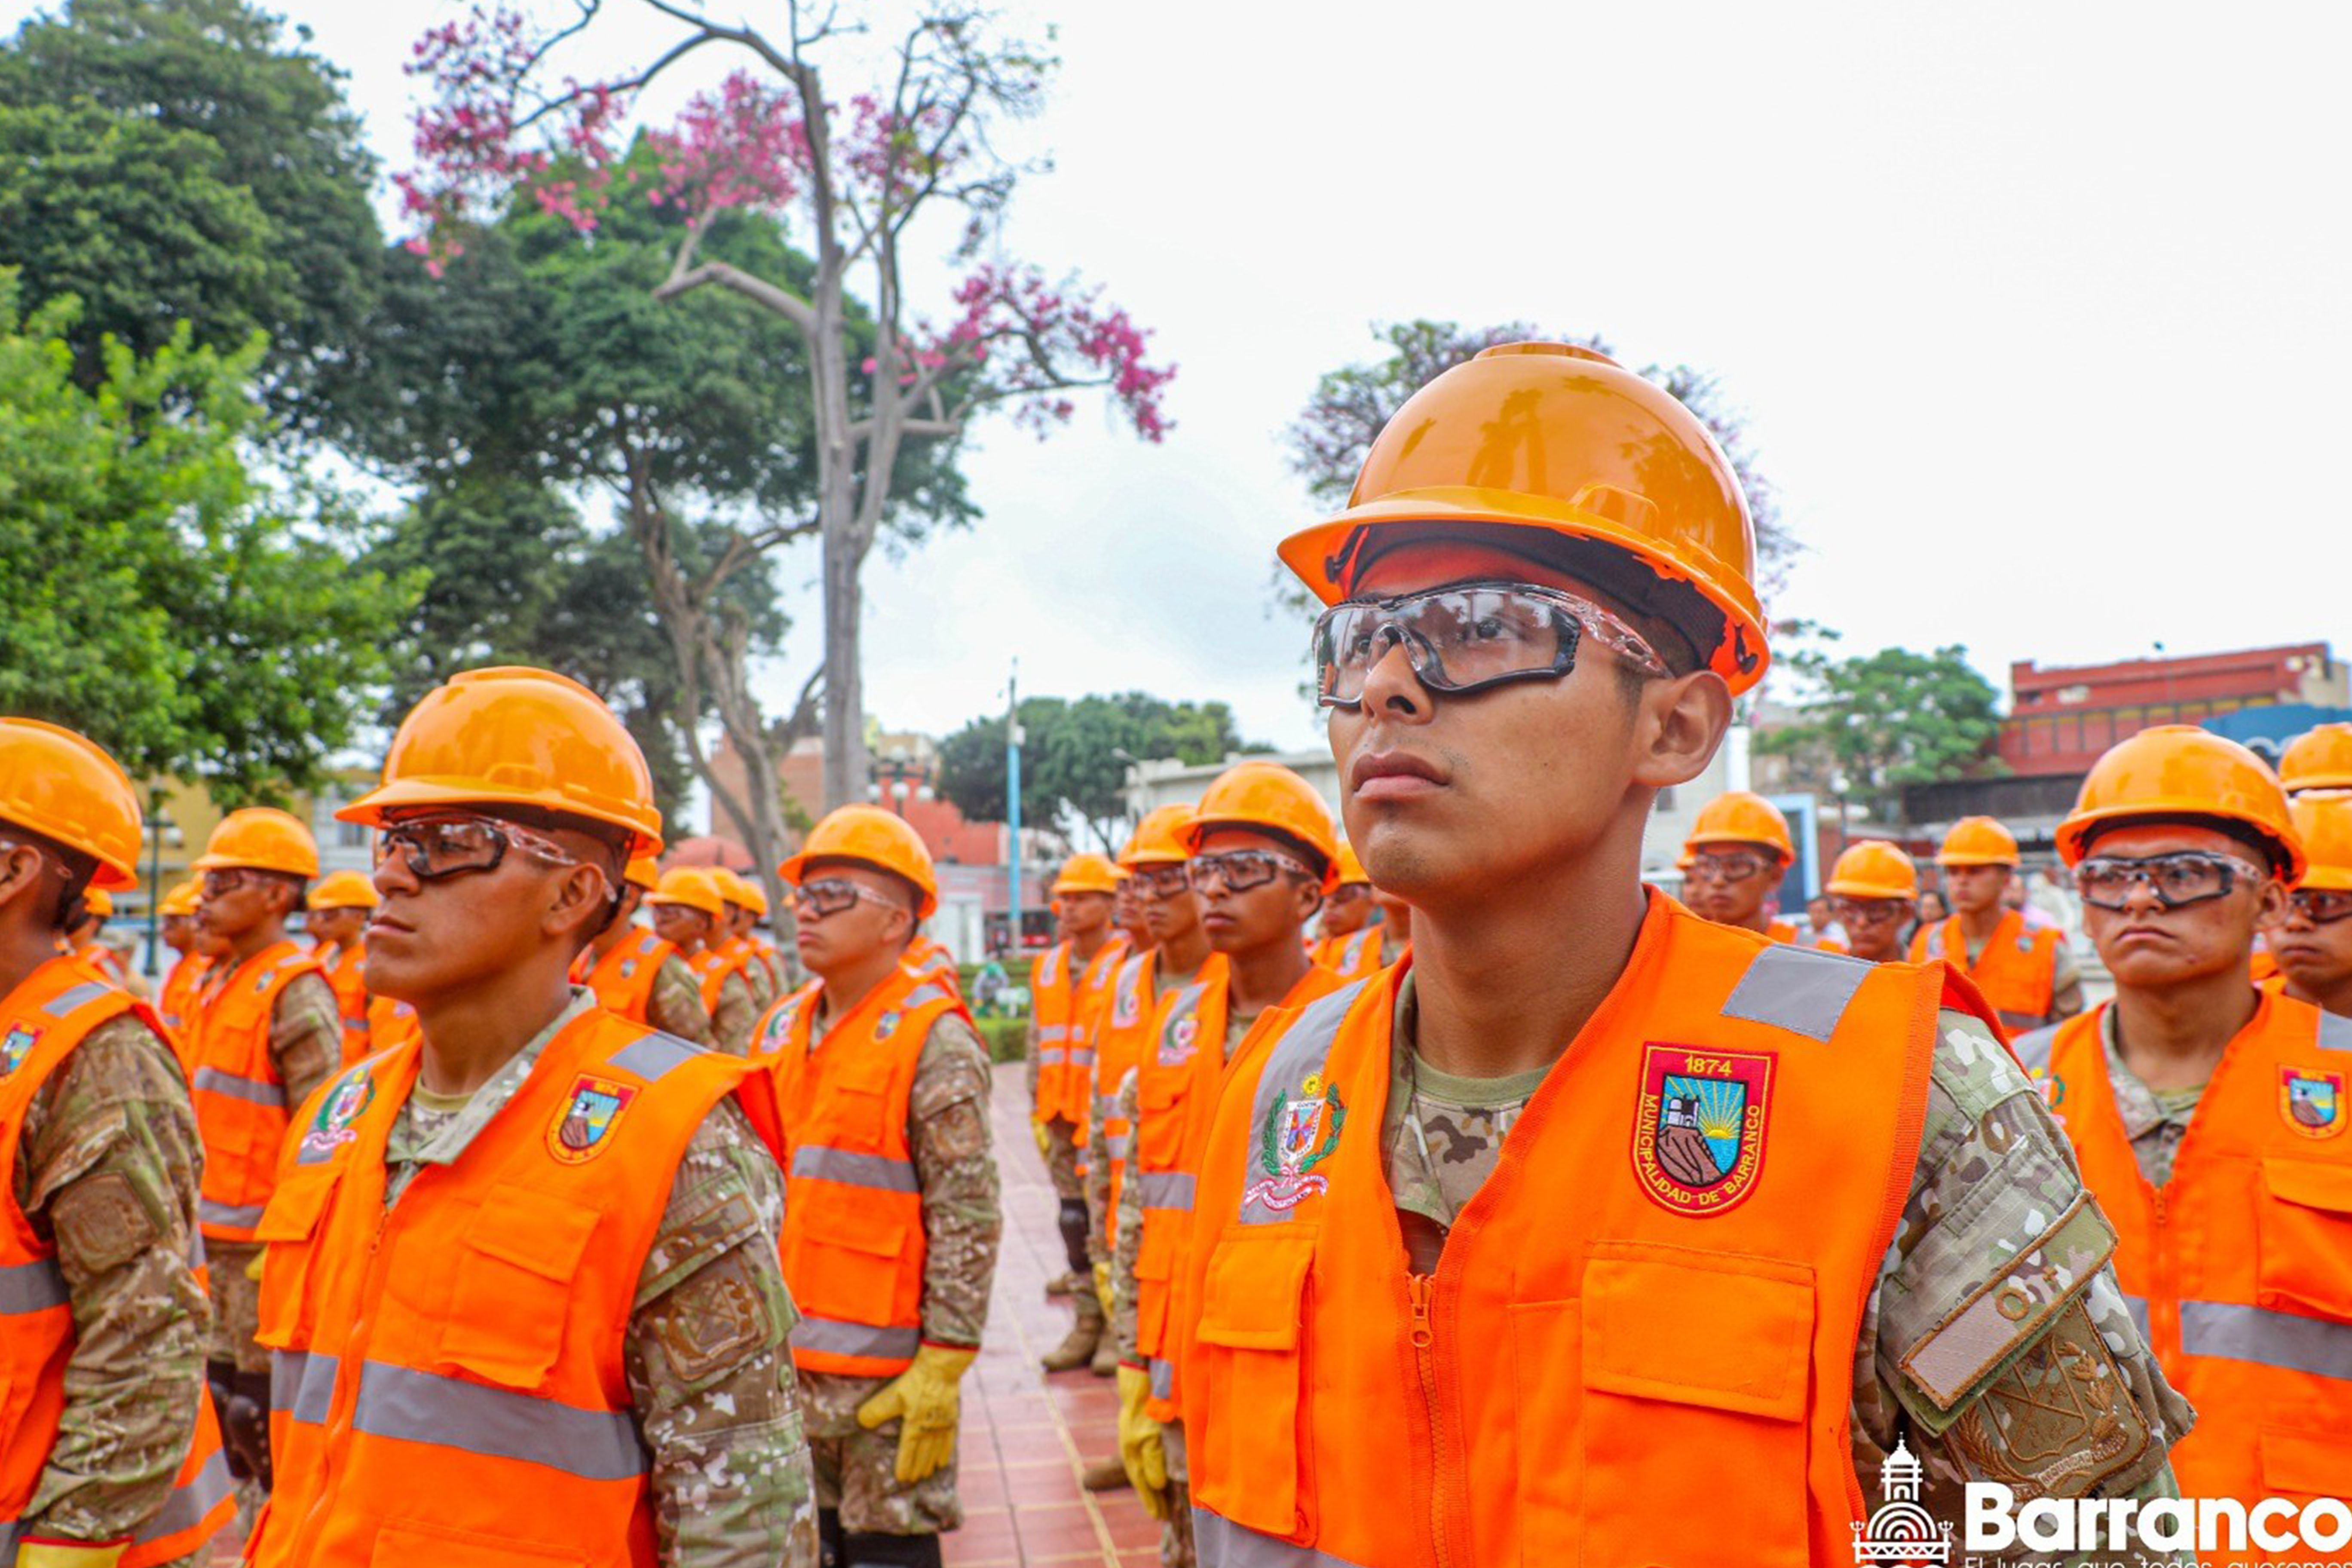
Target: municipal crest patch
589, 1115
1301, 1131
1176, 1044
2312, 1103
885, 1025
16, 1047
330, 1128
1698, 1131
1126, 1010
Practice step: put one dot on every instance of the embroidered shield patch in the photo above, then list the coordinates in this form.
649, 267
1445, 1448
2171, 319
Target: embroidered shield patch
1127, 1007
1301, 1131
587, 1119
1699, 1131
2312, 1102
1176, 1044
331, 1127
16, 1047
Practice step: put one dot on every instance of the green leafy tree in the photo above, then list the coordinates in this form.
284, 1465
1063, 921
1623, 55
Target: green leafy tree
170, 160
193, 619
1888, 719
1073, 776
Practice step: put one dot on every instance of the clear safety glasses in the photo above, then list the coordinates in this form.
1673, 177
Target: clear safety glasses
2185, 876
1164, 881
1736, 867
1239, 870
457, 844
2322, 906
1466, 637
833, 895
1850, 913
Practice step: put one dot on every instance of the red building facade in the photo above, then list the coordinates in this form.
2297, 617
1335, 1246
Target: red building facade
2060, 719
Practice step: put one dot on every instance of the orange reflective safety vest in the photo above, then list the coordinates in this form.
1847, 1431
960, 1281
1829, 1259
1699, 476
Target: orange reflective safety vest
1782, 930
2262, 966
853, 1244
1121, 1030
712, 965
41, 1022
929, 959
241, 1110
624, 978
2240, 1268
106, 961
1350, 957
446, 1377
390, 1024
178, 1004
1063, 997
2017, 971
1671, 1260
1176, 1095
344, 965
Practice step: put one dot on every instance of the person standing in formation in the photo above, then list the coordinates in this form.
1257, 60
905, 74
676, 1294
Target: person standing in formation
334, 915
110, 1454
1871, 888
1067, 982
1738, 851
1353, 944
2312, 937
734, 938
184, 934
690, 914
891, 1226
2028, 974
638, 975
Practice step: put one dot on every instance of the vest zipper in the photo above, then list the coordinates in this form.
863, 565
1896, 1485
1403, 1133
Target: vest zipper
1424, 1288
344, 1410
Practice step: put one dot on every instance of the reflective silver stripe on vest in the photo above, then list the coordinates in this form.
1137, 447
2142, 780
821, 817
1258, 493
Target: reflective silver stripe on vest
2019, 1021
1121, 1146
74, 997
1079, 1055
655, 1056
2137, 1307
1219, 1542
253, 1090
1106, 1106
1163, 1378
815, 1161
358, 1023
1165, 1189
31, 1288
2335, 1032
1053, 1034
2033, 1049
411, 1406
195, 1247
302, 1386
1304, 1048
1801, 989
923, 997
832, 1336
211, 1213
2273, 1339
185, 1507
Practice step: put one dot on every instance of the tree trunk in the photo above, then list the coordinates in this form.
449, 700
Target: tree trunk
845, 679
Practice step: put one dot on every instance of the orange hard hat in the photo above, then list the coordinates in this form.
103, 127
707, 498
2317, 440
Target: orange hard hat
183, 898
642, 871
1087, 874
692, 887
1159, 839
516, 736
2319, 759
1742, 818
343, 891
99, 902
65, 787
1560, 438
740, 890
1352, 870
1978, 841
1270, 798
2323, 820
2177, 771
261, 838
874, 837
1875, 869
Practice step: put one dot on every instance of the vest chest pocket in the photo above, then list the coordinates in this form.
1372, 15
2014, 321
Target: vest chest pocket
2304, 1237
1687, 1353
1249, 1426
516, 1269
290, 1226
841, 1263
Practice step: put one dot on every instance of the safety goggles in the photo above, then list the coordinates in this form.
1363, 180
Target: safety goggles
834, 895
1736, 867
2322, 906
231, 880
2185, 876
1161, 881
1468, 638
457, 844
1349, 893
1868, 911
1239, 870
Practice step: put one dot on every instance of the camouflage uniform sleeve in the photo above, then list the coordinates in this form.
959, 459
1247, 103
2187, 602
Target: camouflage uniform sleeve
947, 1128
306, 1035
1097, 1175
107, 1169
675, 1006
1997, 1342
1031, 1067
707, 1364
732, 1024
1130, 1231
761, 985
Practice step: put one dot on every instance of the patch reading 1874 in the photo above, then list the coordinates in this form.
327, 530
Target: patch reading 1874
1698, 1132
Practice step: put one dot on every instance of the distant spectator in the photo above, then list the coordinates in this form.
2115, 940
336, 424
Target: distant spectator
1932, 909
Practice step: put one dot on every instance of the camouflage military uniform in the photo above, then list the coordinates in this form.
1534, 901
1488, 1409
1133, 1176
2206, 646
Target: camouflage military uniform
306, 1046
107, 1168
676, 1006
1061, 1136
1104, 1104
946, 1130
2154, 1119
705, 1351
1995, 1189
735, 1017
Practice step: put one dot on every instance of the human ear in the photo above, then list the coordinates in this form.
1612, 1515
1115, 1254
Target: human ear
1678, 723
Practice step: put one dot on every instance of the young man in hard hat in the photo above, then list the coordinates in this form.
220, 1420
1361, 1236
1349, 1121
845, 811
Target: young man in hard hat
1263, 852
2312, 937
892, 1225
2026, 973
2320, 758
2210, 1116
1753, 1199
268, 1033
1872, 891
751, 906
1352, 945
335, 914
184, 934
638, 975
1740, 850
690, 914
1066, 984
734, 937
109, 1452
523, 1290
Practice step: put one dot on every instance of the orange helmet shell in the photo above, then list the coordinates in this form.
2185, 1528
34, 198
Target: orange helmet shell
740, 890
1875, 869
2323, 820
63, 787
1270, 798
343, 891
183, 898
1978, 841
1159, 839
644, 871
2319, 759
879, 838
1740, 816
690, 887
1352, 870
2179, 770
1087, 874
261, 838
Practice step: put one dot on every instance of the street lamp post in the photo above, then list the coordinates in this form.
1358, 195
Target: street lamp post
1012, 804
156, 824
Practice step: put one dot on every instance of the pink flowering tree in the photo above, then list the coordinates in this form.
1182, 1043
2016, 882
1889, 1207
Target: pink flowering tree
902, 169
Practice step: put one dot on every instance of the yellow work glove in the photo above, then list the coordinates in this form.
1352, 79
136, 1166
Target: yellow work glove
67, 1555
925, 1400
1140, 1448
1103, 1291
1044, 1140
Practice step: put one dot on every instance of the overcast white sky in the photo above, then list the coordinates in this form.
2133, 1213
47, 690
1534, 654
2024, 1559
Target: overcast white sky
2037, 310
